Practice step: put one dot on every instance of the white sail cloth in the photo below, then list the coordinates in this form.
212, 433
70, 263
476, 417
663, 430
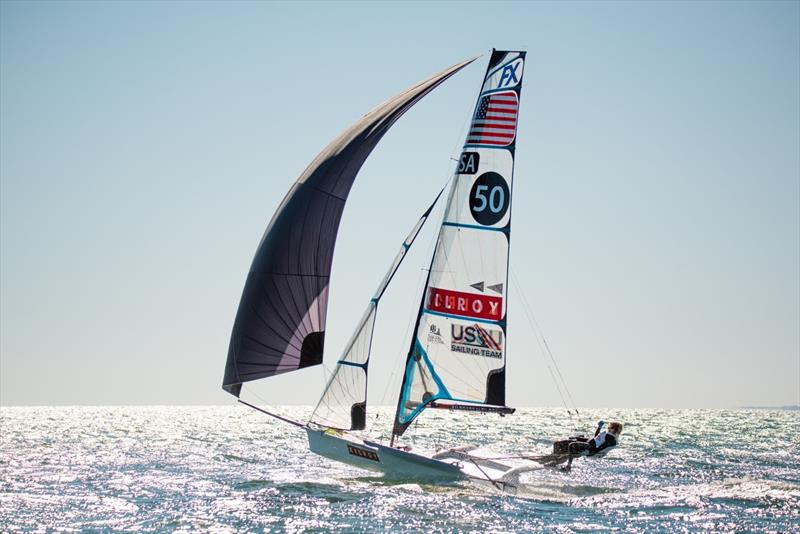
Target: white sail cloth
457, 355
344, 402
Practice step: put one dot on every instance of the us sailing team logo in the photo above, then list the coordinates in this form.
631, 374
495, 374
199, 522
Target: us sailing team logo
476, 340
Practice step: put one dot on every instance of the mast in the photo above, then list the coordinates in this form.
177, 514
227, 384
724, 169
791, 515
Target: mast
456, 358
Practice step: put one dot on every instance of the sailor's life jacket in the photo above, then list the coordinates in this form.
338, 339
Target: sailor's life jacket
602, 441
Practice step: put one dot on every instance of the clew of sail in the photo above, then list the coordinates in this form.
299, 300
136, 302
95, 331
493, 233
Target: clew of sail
280, 322
457, 355
343, 404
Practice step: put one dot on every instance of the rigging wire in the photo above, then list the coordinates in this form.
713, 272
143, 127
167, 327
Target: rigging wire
552, 365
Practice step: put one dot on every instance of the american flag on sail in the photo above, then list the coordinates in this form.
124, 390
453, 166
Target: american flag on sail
495, 121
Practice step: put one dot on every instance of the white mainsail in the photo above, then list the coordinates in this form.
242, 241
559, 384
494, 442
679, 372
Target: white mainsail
457, 355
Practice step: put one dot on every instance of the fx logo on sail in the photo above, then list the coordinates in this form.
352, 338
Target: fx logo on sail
507, 76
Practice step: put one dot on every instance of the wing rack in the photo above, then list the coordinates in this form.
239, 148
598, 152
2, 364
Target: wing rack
483, 408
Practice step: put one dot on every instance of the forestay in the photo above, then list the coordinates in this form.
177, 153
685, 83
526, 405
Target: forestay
343, 404
457, 355
280, 323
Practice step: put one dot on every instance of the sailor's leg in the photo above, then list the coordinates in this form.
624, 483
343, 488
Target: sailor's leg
561, 447
568, 467
575, 449
570, 456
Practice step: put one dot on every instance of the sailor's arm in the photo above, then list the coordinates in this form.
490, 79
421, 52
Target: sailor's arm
600, 425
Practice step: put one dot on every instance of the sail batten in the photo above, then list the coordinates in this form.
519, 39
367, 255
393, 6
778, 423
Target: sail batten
457, 353
280, 322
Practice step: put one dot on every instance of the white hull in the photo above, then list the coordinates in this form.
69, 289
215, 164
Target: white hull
397, 464
393, 463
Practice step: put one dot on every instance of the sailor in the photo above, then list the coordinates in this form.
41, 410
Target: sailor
602, 440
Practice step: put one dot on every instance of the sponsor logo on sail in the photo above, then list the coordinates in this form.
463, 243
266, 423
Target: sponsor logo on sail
465, 304
435, 335
477, 340
506, 76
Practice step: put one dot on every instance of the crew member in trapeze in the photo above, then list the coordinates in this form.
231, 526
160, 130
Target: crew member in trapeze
570, 448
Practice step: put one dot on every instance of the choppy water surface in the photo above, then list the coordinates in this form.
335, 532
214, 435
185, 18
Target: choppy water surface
229, 468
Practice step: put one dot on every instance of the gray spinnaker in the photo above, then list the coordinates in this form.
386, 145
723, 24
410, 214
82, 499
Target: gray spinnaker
280, 323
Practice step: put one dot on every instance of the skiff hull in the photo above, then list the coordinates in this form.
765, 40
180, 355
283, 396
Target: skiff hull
395, 464
399, 465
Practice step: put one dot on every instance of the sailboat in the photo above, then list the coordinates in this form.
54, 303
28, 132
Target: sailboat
457, 355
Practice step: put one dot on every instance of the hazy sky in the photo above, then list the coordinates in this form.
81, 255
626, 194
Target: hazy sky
144, 147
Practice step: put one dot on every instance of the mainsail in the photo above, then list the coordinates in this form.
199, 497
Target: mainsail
343, 404
280, 323
457, 354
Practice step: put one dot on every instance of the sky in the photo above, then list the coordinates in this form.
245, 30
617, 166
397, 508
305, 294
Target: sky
656, 236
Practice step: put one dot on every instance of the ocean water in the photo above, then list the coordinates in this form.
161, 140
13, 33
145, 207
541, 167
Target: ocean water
231, 469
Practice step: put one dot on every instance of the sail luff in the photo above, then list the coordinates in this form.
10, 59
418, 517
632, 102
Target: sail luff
457, 353
280, 322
